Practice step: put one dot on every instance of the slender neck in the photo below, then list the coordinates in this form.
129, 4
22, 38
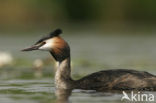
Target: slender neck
62, 75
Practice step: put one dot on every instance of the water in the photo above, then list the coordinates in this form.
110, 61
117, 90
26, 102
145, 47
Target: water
43, 91
33, 91
90, 53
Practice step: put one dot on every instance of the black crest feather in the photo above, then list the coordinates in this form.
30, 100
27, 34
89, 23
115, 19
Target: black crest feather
56, 32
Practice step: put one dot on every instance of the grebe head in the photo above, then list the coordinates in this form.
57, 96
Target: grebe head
54, 44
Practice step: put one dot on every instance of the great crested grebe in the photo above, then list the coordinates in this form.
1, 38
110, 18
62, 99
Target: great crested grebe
117, 79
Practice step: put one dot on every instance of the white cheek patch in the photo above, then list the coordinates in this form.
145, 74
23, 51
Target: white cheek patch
48, 46
45, 47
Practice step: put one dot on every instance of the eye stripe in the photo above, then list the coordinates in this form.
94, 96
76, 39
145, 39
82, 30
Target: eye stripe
41, 40
42, 44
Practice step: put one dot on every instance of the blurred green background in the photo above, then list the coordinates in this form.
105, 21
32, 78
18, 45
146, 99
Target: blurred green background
107, 15
102, 34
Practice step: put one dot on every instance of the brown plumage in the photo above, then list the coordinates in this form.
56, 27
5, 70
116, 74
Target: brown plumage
59, 45
60, 49
117, 79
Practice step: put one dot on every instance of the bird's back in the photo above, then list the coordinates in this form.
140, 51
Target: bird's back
118, 79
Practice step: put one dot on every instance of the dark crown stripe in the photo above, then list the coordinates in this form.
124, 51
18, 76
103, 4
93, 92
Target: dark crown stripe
57, 32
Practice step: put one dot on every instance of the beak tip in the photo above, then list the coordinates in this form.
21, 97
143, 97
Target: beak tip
23, 50
30, 49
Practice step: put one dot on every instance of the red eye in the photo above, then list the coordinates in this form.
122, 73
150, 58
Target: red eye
42, 44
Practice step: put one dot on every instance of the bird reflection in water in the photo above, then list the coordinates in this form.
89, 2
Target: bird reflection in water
62, 95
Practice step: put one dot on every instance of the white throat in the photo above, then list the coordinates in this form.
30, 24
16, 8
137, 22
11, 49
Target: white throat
62, 75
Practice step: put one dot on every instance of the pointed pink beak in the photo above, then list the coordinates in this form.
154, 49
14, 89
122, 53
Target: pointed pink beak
34, 47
